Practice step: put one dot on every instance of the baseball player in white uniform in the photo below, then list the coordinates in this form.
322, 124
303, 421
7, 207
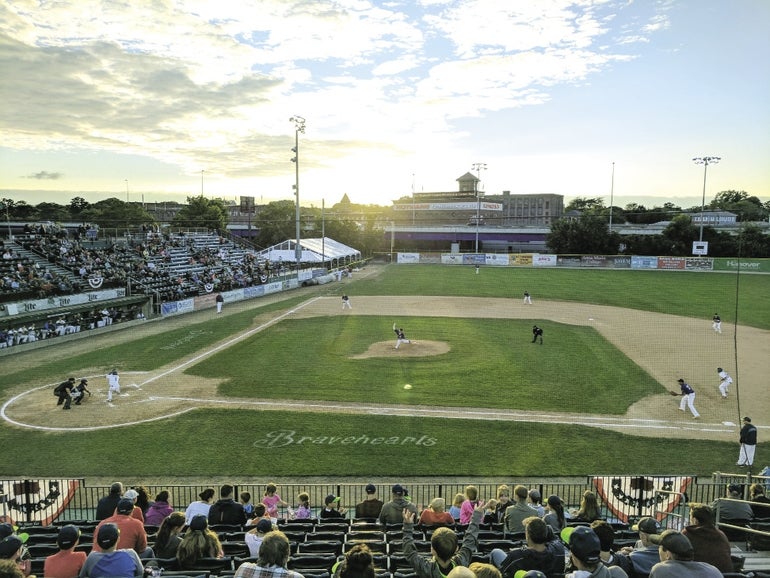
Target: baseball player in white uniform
724, 381
716, 323
113, 384
527, 298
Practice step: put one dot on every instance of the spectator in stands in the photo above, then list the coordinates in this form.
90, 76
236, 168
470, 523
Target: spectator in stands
515, 514
169, 537
435, 515
730, 511
535, 501
490, 514
66, 563
226, 510
9, 569
256, 535
542, 552
272, 500
606, 534
107, 560
761, 505
469, 504
676, 558
199, 542
482, 570
106, 505
454, 509
709, 542
245, 500
272, 560
357, 563
331, 508
371, 506
503, 501
158, 510
585, 555
554, 514
303, 511
142, 493
589, 508
12, 548
136, 513
392, 511
260, 513
132, 532
201, 506
644, 555
444, 547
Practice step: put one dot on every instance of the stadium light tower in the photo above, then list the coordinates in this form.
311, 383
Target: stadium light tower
705, 161
478, 167
299, 127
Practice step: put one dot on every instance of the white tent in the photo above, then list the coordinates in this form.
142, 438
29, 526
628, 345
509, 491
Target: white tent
322, 250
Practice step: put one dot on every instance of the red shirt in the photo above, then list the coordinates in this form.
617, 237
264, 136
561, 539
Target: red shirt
64, 564
132, 534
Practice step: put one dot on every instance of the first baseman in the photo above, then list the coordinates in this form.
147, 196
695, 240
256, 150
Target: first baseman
688, 397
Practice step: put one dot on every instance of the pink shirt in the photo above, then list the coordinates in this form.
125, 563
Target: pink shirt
271, 503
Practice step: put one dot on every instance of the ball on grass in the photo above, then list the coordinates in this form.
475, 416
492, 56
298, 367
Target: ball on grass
407, 386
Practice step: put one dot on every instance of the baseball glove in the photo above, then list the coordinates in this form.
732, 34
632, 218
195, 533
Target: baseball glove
673, 393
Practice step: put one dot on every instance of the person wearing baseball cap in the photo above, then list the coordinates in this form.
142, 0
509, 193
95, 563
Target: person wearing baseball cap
748, 442
371, 506
644, 555
676, 558
254, 537
331, 508
108, 559
132, 532
393, 511
585, 554
107, 504
66, 562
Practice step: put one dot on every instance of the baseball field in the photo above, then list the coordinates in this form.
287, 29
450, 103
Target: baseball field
293, 385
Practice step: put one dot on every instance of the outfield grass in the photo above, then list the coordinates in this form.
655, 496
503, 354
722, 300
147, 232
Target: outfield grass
222, 442
743, 297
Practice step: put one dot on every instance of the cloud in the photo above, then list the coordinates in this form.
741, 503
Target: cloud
45, 176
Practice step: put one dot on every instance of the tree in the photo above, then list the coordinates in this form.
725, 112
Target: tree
276, 222
78, 205
201, 212
113, 213
753, 242
586, 205
748, 208
587, 234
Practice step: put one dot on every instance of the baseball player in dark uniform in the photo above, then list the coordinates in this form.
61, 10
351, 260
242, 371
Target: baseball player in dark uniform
62, 391
748, 443
537, 333
688, 397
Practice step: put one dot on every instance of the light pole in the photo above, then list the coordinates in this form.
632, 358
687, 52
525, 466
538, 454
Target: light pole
705, 161
478, 167
612, 193
299, 127
126, 190
202, 171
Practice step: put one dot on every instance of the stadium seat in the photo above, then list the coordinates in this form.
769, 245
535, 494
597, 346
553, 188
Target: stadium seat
364, 526
213, 565
369, 535
312, 562
165, 563
235, 549
321, 547
322, 535
42, 550
374, 545
757, 541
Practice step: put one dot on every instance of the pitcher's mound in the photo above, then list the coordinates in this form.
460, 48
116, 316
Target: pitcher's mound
418, 348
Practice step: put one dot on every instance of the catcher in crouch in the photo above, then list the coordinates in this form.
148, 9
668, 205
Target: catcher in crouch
79, 391
400, 337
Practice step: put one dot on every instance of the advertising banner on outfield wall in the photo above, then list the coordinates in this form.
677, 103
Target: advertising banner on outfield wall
177, 307
407, 257
58, 302
752, 265
698, 264
544, 260
499, 259
593, 261
619, 262
671, 263
640, 262
521, 260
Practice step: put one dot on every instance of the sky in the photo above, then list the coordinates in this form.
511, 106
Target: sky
164, 99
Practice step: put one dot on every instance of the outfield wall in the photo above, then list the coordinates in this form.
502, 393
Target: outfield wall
637, 262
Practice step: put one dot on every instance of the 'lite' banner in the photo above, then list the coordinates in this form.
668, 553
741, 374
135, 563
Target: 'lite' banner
639, 496
38, 501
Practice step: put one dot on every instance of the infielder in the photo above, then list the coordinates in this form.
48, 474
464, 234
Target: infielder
113, 384
688, 397
748, 443
716, 323
724, 382
346, 302
527, 298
